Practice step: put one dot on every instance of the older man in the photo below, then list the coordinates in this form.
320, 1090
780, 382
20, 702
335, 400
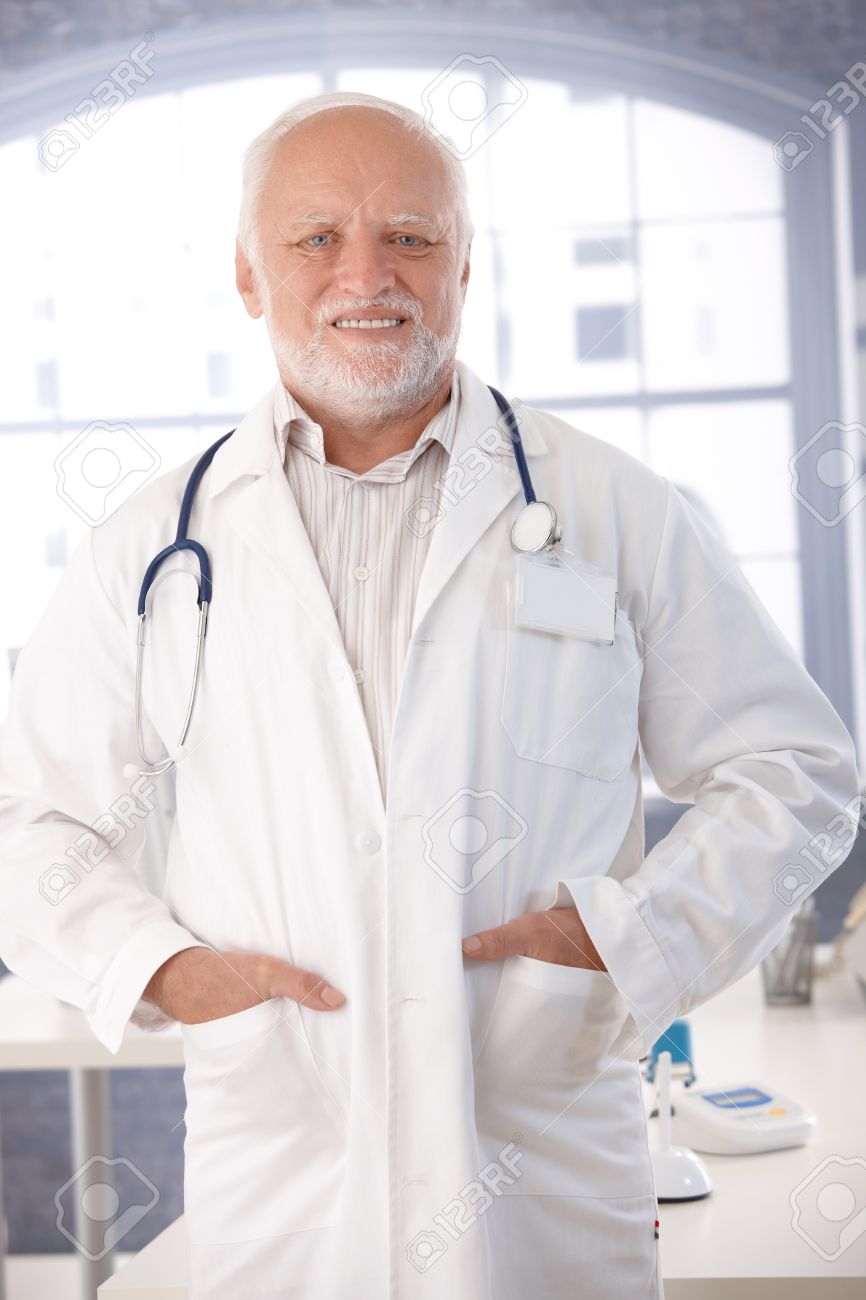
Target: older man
409, 928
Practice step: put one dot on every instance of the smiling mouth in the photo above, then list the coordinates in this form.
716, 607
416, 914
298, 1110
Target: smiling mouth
386, 323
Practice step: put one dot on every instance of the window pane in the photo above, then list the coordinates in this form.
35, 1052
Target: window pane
691, 166
714, 313
570, 326
605, 333
26, 321
560, 159
38, 530
735, 455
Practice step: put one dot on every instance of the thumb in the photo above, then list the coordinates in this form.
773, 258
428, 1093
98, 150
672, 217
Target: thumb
502, 941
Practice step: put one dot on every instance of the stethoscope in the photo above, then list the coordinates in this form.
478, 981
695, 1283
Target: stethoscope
535, 528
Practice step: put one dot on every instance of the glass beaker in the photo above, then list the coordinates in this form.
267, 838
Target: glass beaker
787, 968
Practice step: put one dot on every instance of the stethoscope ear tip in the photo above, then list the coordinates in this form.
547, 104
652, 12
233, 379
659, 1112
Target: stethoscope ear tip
130, 771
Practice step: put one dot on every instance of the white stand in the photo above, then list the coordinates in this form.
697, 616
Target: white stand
678, 1173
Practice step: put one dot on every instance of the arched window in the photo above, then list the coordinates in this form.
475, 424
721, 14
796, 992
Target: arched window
642, 266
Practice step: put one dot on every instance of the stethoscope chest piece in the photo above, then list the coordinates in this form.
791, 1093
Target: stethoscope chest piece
536, 527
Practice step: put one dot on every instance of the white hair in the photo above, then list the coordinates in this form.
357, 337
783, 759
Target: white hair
259, 154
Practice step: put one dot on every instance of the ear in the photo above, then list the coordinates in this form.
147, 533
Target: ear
464, 279
247, 283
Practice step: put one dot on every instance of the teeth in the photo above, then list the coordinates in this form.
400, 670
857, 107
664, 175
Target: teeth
365, 324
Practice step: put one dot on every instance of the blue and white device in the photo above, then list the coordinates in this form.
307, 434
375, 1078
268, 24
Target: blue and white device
739, 1121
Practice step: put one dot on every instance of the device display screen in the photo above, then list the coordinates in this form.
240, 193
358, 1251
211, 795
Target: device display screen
738, 1097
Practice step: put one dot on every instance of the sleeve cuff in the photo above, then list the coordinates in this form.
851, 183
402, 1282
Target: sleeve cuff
633, 958
118, 997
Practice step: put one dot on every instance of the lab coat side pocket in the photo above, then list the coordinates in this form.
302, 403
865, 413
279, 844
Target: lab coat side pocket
555, 1022
225, 1030
265, 1144
546, 1071
570, 702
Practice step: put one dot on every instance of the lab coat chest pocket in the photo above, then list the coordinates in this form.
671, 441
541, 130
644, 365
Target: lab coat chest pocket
571, 702
264, 1148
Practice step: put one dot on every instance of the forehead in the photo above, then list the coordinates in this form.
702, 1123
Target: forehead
344, 166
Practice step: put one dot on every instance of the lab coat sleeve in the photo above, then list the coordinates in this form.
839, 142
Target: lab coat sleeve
75, 920
732, 723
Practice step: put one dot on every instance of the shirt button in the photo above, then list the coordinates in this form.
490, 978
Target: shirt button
359, 675
361, 572
368, 842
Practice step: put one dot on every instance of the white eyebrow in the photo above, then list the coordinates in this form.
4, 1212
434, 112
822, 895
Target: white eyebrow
315, 219
398, 219
412, 219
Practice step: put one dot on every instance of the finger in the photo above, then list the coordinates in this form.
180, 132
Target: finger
306, 988
502, 941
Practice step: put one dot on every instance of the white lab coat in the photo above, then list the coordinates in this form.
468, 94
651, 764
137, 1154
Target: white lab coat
370, 1151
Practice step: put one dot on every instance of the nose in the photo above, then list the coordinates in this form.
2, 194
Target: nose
365, 267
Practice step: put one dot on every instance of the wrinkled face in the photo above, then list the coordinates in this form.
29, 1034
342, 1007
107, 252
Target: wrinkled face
357, 223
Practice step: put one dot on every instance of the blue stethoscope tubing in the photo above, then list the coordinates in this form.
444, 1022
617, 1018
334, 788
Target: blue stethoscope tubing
536, 523
182, 542
517, 445
536, 527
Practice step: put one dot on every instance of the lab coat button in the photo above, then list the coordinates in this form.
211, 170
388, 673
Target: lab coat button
368, 842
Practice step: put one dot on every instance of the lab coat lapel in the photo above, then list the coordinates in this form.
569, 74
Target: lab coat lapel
265, 515
478, 485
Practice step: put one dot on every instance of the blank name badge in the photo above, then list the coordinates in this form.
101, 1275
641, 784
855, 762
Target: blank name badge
561, 595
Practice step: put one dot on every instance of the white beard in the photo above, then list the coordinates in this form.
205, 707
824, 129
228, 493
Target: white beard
371, 381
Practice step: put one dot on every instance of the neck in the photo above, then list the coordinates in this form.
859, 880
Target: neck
359, 446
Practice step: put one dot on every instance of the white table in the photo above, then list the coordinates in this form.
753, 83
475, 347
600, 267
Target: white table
39, 1033
739, 1243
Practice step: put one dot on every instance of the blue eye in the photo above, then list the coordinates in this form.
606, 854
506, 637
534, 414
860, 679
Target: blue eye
416, 241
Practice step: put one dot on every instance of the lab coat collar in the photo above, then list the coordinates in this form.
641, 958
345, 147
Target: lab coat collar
248, 452
251, 450
477, 488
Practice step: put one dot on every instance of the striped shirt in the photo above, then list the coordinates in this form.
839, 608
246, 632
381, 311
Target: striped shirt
369, 556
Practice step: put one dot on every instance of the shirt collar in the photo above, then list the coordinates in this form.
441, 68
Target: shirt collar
293, 424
